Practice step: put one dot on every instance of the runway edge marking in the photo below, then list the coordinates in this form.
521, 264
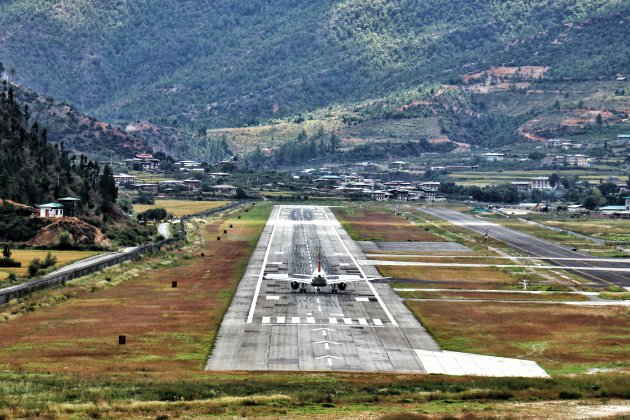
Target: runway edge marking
343, 244
252, 308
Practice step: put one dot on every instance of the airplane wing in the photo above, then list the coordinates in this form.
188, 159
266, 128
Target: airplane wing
350, 278
300, 278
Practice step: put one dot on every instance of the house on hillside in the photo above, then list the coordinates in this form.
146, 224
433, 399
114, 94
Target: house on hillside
50, 210
124, 180
193, 184
522, 185
493, 157
577, 160
540, 183
224, 189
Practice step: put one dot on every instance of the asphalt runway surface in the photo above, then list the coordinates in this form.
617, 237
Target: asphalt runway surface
545, 250
270, 326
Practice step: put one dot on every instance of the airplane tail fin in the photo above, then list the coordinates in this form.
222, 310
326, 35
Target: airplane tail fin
319, 259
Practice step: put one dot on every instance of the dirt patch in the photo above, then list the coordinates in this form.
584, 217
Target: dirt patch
82, 233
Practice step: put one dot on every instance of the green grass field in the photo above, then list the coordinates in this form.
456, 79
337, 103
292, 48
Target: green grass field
180, 208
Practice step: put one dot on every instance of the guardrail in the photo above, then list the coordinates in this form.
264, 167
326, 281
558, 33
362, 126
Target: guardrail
59, 278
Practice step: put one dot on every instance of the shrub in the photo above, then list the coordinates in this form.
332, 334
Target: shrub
34, 267
10, 262
65, 241
49, 261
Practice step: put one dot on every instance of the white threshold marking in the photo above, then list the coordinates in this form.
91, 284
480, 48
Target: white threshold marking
362, 321
319, 308
347, 321
266, 319
362, 299
332, 320
337, 315
370, 285
270, 297
252, 308
310, 320
278, 252
330, 362
281, 320
377, 322
295, 320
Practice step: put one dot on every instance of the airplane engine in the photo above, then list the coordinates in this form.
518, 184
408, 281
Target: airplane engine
342, 286
295, 285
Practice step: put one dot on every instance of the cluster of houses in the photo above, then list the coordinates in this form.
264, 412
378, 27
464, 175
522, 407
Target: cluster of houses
567, 160
377, 189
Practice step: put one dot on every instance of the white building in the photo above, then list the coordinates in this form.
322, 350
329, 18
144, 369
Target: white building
522, 185
430, 185
493, 157
540, 183
51, 210
124, 179
576, 160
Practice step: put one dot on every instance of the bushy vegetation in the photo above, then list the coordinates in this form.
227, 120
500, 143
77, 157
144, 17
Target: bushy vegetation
207, 64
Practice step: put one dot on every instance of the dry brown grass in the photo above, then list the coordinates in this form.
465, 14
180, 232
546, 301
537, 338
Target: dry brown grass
564, 339
373, 225
446, 277
554, 296
169, 330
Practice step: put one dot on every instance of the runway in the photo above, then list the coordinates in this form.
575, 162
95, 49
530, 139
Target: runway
269, 326
611, 272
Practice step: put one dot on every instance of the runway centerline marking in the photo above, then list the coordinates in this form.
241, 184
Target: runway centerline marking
250, 317
354, 260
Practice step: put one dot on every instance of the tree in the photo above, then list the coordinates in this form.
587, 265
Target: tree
335, 141
599, 120
108, 189
6, 251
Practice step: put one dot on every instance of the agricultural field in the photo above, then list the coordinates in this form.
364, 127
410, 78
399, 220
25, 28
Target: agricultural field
606, 229
25, 256
562, 338
503, 177
180, 208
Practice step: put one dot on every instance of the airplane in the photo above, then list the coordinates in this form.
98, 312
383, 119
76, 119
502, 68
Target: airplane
319, 279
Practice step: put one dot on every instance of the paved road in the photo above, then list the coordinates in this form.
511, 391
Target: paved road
547, 251
269, 326
164, 229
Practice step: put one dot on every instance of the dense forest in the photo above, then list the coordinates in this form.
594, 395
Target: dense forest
231, 63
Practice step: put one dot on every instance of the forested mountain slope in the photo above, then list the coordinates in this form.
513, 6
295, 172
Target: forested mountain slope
230, 63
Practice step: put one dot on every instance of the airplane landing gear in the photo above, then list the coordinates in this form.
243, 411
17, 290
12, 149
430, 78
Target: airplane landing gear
318, 290
333, 289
